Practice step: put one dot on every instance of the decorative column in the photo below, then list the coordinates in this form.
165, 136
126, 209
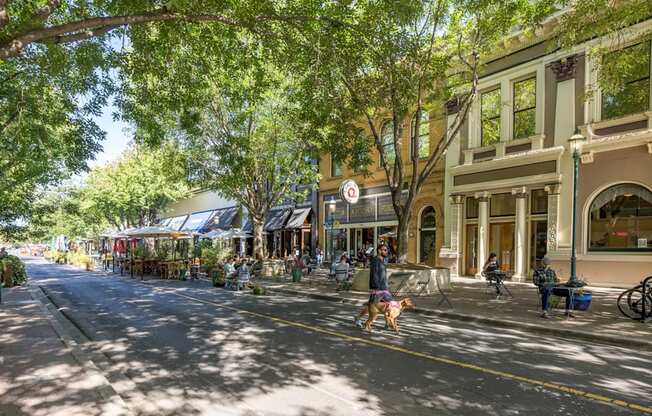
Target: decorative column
483, 231
553, 191
520, 236
457, 215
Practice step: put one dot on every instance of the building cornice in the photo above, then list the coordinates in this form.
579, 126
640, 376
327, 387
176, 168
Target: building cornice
541, 155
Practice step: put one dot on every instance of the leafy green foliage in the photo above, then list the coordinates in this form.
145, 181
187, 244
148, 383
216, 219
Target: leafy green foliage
18, 267
611, 25
130, 191
126, 193
390, 63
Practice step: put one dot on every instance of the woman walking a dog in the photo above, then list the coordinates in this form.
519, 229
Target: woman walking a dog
378, 289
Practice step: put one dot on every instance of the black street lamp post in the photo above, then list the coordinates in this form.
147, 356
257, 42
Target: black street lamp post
575, 142
330, 223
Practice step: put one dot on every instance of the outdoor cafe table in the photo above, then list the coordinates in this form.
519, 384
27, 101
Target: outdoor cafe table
167, 267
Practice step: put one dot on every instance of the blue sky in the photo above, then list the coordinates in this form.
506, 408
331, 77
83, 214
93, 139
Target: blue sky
117, 137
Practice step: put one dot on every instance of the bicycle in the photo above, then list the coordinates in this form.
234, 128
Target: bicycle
636, 303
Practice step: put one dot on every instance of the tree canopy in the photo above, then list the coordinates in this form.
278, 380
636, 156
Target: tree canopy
129, 192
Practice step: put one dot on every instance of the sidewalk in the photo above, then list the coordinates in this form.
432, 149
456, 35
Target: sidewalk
42, 370
472, 301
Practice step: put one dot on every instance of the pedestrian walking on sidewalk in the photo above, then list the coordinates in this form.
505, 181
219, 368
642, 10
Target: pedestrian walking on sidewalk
319, 256
546, 279
378, 288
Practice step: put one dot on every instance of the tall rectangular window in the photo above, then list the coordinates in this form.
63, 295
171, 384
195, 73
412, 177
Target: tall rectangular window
490, 109
336, 168
630, 66
387, 137
525, 108
422, 136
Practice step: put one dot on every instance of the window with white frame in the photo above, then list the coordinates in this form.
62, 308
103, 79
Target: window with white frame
387, 137
631, 66
620, 219
490, 117
423, 135
525, 108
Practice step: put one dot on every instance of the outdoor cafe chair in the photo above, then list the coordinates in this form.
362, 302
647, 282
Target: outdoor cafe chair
496, 283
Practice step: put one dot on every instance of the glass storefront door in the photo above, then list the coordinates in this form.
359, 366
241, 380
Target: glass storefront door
471, 250
338, 242
362, 239
501, 242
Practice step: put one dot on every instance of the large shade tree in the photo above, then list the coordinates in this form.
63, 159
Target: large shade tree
133, 190
395, 64
243, 131
57, 62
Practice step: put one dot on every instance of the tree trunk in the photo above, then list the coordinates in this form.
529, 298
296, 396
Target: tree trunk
258, 238
402, 236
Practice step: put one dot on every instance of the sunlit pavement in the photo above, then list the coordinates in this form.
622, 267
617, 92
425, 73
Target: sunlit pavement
186, 348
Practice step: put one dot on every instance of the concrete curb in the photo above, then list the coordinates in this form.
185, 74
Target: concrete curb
501, 323
57, 320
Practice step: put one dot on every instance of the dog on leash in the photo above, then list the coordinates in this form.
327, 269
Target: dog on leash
391, 310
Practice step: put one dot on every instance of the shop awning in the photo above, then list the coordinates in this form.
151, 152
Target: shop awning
223, 219
197, 221
276, 219
175, 223
298, 218
156, 232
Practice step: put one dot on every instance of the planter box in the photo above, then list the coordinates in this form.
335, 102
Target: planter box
413, 274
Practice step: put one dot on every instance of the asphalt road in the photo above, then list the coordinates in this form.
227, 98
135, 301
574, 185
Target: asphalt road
184, 348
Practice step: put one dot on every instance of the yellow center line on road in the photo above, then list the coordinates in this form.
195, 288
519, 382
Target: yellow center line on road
461, 364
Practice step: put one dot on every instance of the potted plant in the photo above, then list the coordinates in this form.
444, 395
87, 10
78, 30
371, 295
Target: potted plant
258, 290
219, 278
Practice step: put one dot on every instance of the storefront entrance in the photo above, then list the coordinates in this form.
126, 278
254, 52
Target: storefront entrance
362, 239
471, 250
428, 236
501, 242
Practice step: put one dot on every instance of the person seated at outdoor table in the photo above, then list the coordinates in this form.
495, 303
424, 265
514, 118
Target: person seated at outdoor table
342, 271
244, 276
229, 268
361, 257
492, 270
546, 279
305, 262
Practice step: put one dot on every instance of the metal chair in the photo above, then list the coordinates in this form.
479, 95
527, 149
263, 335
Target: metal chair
343, 278
495, 280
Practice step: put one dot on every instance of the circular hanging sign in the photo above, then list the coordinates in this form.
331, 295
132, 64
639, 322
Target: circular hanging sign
349, 191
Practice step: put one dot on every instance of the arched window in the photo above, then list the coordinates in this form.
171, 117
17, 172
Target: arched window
387, 137
427, 236
620, 219
423, 135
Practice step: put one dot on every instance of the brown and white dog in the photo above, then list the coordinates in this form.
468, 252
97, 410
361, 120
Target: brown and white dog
391, 310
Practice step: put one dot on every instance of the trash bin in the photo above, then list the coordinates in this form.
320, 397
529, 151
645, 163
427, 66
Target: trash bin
296, 274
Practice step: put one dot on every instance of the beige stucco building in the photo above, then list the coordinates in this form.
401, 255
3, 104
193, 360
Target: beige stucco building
509, 173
